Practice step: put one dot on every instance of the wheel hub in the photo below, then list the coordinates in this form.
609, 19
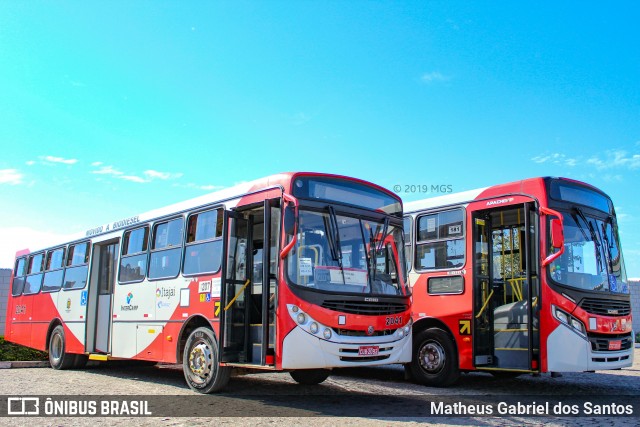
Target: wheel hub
432, 357
201, 360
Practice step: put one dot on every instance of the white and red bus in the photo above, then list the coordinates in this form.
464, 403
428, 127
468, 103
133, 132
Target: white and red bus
521, 277
300, 272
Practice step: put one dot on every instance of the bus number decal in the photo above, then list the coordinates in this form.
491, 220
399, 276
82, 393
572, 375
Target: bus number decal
390, 321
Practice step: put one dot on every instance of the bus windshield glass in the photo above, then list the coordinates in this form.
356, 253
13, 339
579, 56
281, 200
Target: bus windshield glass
592, 258
345, 254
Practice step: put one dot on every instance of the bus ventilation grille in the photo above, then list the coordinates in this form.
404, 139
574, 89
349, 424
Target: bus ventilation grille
600, 342
604, 307
365, 308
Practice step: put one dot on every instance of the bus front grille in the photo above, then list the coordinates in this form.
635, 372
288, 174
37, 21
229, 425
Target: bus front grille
600, 342
606, 307
365, 308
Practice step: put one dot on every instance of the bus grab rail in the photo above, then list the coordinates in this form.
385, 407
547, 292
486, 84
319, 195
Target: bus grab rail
552, 257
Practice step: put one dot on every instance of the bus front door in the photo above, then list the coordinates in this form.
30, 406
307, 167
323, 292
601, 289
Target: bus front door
249, 288
505, 333
101, 285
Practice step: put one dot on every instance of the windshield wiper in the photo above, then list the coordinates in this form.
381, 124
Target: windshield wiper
333, 238
594, 236
371, 274
383, 236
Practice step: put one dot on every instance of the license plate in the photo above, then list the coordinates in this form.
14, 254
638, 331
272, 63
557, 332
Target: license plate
615, 345
368, 350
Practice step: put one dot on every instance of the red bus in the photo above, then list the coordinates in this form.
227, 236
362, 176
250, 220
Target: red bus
300, 272
521, 277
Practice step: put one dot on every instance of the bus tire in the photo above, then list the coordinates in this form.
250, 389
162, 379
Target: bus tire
58, 356
310, 376
435, 360
201, 362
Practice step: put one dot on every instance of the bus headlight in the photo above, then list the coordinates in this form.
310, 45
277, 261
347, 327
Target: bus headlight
568, 320
400, 332
301, 318
327, 333
313, 327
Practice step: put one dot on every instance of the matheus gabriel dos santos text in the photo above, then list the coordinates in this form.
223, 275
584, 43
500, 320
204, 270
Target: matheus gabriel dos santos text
531, 408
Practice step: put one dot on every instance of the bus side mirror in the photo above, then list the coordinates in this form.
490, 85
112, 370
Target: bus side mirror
289, 219
557, 234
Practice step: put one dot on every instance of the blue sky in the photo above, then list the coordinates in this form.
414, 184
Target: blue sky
109, 109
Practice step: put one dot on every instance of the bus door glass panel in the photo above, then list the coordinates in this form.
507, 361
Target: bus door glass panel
503, 302
106, 275
237, 282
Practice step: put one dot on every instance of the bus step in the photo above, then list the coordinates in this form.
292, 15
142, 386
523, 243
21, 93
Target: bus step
256, 334
99, 357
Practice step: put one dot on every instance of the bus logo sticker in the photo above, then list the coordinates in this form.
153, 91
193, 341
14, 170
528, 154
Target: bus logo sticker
129, 307
83, 298
68, 309
464, 327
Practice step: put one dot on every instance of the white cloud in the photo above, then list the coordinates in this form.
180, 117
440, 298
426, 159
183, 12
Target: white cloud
611, 159
96, 164
434, 76
54, 159
133, 178
108, 170
10, 176
17, 238
152, 174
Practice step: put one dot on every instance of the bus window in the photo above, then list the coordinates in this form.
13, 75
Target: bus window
440, 241
203, 250
33, 281
166, 248
133, 266
18, 279
53, 270
75, 275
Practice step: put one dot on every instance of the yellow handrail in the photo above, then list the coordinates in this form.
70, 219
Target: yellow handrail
485, 305
237, 295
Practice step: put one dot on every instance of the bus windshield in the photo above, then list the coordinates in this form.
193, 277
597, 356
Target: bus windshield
345, 254
592, 258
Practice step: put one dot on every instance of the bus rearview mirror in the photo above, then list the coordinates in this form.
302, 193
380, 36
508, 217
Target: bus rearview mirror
557, 234
289, 219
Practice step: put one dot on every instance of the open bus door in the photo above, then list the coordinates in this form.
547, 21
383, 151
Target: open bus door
249, 285
506, 289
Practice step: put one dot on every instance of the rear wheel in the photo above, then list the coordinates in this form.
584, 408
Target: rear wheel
435, 360
310, 376
201, 362
58, 356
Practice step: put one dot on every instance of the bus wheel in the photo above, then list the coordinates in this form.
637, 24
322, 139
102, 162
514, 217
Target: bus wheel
435, 361
58, 357
201, 364
310, 376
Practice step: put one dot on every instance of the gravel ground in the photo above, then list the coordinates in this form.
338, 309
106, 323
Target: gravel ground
359, 390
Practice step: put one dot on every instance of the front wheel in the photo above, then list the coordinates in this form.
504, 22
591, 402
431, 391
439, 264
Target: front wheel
310, 376
435, 360
201, 363
58, 356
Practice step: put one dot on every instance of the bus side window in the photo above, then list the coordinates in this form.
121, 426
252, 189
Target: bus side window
166, 249
203, 248
19, 275
133, 264
75, 275
54, 270
33, 281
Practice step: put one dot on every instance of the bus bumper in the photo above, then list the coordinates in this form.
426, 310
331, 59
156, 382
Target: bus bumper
301, 350
568, 351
